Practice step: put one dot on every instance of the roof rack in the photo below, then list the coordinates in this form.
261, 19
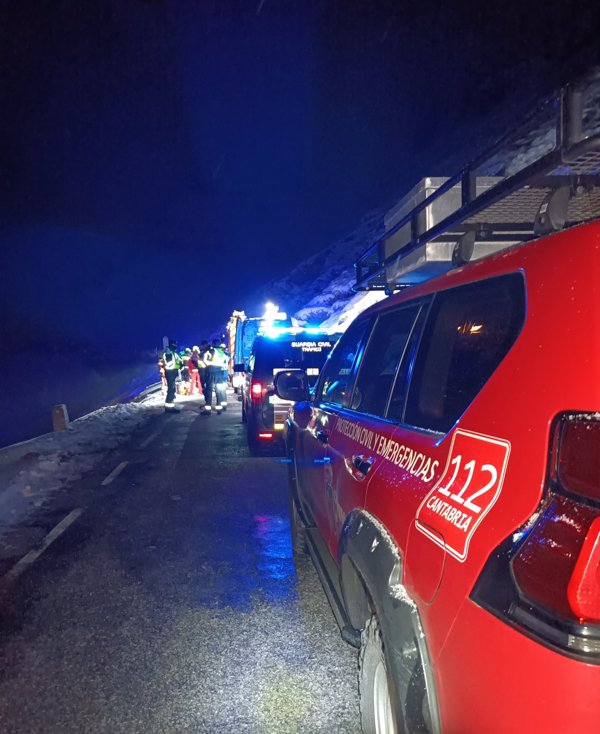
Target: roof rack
542, 178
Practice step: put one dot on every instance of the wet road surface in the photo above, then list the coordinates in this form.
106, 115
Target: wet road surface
171, 602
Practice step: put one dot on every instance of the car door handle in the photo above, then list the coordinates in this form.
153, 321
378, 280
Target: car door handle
362, 463
323, 436
359, 466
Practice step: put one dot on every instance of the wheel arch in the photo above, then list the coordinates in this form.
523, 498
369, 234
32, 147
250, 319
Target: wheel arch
371, 581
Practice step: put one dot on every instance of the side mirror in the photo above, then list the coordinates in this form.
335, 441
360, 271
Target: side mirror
241, 367
292, 385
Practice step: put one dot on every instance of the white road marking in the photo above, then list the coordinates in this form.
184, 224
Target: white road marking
148, 440
114, 473
33, 555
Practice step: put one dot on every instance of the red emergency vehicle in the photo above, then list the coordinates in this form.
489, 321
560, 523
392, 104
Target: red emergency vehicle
445, 474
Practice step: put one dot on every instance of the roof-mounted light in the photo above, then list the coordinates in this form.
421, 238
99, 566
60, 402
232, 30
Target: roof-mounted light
272, 313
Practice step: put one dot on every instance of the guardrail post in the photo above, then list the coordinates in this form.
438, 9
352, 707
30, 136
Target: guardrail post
60, 417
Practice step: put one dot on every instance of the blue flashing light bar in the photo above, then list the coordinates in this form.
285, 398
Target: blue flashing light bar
272, 332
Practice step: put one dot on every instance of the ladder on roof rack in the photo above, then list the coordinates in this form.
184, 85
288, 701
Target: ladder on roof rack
552, 181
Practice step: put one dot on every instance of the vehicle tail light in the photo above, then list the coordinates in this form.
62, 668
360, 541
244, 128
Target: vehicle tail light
578, 463
256, 389
265, 436
584, 587
549, 571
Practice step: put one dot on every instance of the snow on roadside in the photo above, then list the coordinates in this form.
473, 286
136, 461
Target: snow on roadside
32, 471
341, 320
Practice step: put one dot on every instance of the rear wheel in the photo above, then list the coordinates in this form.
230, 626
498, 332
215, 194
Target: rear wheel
376, 710
379, 712
252, 433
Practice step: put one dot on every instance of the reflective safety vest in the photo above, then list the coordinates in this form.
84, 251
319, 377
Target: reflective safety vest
204, 359
171, 360
215, 358
223, 359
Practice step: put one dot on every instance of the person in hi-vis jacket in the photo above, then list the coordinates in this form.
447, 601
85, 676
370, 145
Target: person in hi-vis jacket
172, 364
204, 347
215, 360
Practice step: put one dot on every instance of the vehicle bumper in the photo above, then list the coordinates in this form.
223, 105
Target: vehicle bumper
492, 678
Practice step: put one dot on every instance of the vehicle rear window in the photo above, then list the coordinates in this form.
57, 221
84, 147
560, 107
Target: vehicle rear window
299, 353
468, 333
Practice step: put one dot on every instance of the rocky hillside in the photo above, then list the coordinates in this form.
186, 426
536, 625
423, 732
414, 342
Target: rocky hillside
319, 290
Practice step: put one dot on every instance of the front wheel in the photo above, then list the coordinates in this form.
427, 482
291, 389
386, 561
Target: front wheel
376, 710
297, 531
299, 544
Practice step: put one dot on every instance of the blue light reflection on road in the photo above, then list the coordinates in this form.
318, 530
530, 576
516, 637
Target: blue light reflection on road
274, 562
253, 563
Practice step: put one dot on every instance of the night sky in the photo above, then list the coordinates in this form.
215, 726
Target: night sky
161, 160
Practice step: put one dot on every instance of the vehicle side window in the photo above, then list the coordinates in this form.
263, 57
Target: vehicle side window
395, 410
335, 384
468, 333
383, 353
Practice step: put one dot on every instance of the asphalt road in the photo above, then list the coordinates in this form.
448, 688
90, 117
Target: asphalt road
170, 601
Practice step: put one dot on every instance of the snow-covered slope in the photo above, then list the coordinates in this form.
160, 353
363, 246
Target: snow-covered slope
319, 290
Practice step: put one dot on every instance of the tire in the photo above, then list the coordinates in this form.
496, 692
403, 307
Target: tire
253, 442
299, 542
376, 706
379, 714
244, 416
